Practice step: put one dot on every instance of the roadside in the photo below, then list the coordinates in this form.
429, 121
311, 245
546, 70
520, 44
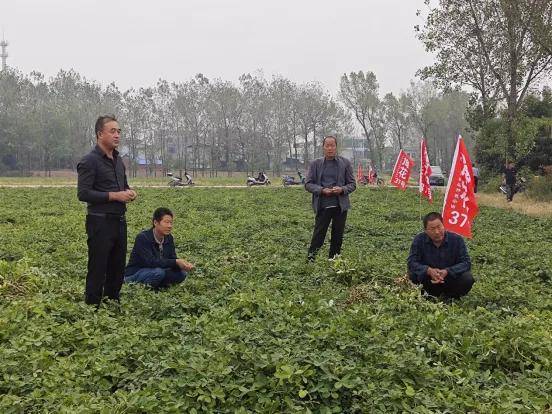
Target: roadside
521, 204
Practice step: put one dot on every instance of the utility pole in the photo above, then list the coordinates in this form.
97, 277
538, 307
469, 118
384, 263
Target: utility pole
4, 54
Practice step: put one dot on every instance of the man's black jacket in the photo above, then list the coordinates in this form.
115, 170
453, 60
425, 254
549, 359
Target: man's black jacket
146, 253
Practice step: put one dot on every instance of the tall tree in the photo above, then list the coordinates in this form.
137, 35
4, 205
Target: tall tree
490, 45
359, 93
396, 118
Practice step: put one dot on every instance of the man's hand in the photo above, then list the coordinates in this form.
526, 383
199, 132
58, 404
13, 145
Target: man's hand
122, 196
133, 193
184, 265
330, 192
443, 273
435, 275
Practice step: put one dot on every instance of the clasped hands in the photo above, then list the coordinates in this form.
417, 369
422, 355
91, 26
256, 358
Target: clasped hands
437, 275
123, 196
333, 191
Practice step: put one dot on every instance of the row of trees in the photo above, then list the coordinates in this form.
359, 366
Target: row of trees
206, 125
500, 50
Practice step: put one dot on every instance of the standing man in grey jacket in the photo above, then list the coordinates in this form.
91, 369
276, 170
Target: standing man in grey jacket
330, 180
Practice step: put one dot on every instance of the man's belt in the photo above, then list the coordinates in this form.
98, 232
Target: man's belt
108, 216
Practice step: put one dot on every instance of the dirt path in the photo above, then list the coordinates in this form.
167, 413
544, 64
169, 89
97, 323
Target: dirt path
137, 186
521, 204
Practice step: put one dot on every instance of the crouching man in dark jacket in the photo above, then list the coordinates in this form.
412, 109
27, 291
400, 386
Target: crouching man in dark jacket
439, 261
153, 258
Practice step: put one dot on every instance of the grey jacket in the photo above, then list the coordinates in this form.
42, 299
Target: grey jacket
345, 179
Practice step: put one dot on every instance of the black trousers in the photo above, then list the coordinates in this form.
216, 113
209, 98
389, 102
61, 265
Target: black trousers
321, 224
452, 287
107, 245
511, 192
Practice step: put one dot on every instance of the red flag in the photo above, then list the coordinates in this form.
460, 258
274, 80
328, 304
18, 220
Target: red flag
425, 172
460, 207
359, 172
402, 170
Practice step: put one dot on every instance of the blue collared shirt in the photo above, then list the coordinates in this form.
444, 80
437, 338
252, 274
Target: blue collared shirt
451, 255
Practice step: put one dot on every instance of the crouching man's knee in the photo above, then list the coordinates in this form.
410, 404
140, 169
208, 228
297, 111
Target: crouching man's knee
463, 285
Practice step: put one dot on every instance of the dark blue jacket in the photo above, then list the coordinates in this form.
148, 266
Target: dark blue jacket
145, 253
345, 179
451, 255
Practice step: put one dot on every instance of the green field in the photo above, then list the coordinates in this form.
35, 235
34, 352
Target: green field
222, 178
257, 329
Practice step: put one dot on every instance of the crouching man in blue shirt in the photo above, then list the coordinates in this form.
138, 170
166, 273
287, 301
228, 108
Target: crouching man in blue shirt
153, 258
439, 261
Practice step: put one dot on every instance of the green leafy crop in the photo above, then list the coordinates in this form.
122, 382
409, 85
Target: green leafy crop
256, 328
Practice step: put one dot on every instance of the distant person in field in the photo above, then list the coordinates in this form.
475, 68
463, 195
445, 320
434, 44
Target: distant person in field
475, 177
509, 177
102, 184
330, 179
153, 258
439, 261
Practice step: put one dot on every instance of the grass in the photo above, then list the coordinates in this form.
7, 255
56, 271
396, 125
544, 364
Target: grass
256, 328
521, 204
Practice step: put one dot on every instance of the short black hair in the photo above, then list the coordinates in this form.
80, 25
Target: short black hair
101, 121
329, 137
161, 212
432, 216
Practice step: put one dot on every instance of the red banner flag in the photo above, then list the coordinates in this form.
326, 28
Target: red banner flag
359, 172
425, 172
460, 207
402, 170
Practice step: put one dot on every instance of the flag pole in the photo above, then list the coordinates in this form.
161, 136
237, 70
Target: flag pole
420, 204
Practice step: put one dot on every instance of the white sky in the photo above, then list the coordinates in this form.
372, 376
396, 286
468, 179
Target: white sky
134, 43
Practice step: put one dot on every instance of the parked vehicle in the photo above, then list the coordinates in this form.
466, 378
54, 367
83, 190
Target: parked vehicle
262, 179
288, 180
178, 182
365, 180
520, 187
437, 177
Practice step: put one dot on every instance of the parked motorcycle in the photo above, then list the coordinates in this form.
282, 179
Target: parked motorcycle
364, 180
178, 182
288, 180
262, 179
520, 187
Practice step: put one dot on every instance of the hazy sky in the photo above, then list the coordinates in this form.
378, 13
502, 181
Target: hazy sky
134, 43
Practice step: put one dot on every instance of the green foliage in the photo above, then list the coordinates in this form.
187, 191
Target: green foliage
540, 188
491, 183
492, 141
256, 328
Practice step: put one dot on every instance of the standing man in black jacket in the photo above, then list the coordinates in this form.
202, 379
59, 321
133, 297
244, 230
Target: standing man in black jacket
509, 178
330, 180
102, 184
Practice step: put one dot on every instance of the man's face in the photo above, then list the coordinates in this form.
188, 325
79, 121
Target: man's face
164, 226
110, 134
435, 230
330, 148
